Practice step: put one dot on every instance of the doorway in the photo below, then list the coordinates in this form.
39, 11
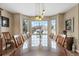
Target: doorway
39, 34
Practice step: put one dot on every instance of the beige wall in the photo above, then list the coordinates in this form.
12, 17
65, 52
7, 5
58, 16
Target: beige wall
10, 16
60, 23
15, 22
18, 23
16, 29
69, 15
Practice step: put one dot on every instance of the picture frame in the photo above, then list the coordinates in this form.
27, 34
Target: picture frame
4, 21
69, 24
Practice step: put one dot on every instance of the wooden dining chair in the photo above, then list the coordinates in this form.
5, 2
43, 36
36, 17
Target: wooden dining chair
58, 39
0, 45
8, 39
15, 41
22, 38
18, 40
63, 41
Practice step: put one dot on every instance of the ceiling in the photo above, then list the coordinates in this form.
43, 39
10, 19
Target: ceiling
30, 8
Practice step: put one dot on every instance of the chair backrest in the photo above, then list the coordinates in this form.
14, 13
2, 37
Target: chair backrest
6, 36
60, 40
63, 41
0, 46
19, 40
22, 38
15, 41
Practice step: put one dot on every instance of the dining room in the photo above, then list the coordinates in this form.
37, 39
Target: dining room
39, 29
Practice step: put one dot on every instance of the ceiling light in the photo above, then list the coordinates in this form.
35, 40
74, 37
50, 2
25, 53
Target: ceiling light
40, 12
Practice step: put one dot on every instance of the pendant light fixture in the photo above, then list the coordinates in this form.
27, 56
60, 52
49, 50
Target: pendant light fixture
40, 11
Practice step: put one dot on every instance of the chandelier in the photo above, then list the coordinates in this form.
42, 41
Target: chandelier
40, 11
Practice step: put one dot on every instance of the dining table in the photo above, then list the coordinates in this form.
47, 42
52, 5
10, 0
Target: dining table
25, 50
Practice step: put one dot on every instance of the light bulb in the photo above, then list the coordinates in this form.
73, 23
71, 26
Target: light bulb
43, 11
42, 16
37, 17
